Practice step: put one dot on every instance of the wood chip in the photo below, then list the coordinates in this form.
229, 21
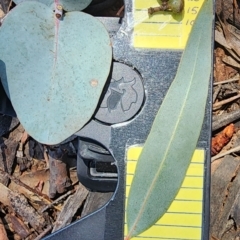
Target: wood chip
95, 200
22, 208
222, 194
4, 195
2, 14
17, 133
221, 139
44, 233
18, 226
221, 70
7, 156
59, 180
70, 207
24, 137
3, 234
230, 61
225, 119
33, 178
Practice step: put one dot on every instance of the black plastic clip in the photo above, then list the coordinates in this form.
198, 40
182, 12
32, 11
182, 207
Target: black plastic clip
96, 167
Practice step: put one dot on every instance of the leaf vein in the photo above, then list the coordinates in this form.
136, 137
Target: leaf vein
167, 149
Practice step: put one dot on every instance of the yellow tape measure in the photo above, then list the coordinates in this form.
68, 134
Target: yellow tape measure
183, 219
163, 30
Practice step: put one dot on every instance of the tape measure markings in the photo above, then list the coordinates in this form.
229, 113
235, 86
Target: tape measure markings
128, 185
190, 219
159, 238
159, 232
134, 152
183, 219
162, 35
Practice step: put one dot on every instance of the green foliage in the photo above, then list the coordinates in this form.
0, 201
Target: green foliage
53, 70
173, 138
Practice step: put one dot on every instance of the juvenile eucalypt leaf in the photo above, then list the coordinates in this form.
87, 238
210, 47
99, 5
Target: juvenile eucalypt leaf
169, 147
68, 5
53, 70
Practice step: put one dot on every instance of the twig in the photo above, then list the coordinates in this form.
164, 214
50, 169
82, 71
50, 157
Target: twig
39, 194
57, 200
47, 230
75, 183
219, 104
236, 149
235, 4
46, 156
23, 140
214, 238
235, 78
24, 137
217, 90
19, 182
120, 11
10, 4
224, 119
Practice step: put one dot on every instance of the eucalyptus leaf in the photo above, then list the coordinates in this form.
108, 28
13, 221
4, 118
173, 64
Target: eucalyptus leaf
46, 2
169, 147
68, 5
53, 71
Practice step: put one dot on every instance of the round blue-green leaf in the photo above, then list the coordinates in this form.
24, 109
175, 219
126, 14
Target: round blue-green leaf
47, 2
53, 71
68, 5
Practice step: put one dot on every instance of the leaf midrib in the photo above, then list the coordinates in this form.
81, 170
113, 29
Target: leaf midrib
167, 149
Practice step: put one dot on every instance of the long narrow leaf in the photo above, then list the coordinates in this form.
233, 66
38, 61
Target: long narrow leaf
173, 138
